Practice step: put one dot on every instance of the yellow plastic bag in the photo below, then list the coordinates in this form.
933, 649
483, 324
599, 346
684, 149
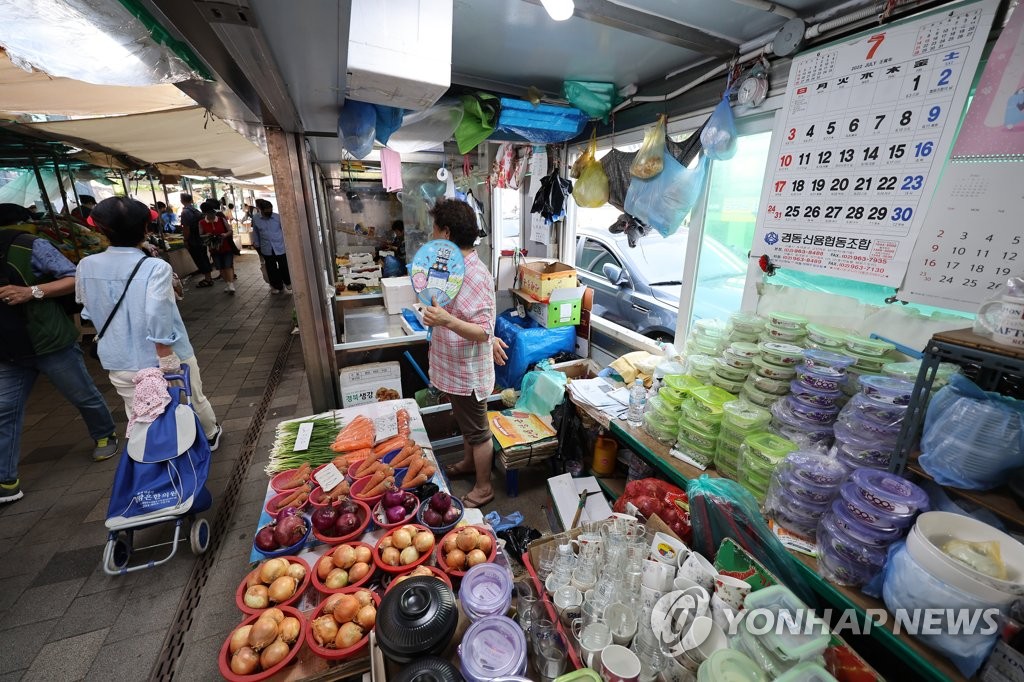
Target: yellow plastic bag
649, 160
591, 190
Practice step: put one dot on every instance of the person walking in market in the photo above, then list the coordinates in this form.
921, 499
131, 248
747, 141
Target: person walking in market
218, 235
146, 329
461, 353
268, 240
38, 337
190, 217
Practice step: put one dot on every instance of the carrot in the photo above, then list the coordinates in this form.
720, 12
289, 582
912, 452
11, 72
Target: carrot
408, 483
406, 455
337, 492
375, 478
371, 470
428, 469
357, 434
381, 488
367, 465
393, 443
300, 476
287, 501
415, 466
356, 456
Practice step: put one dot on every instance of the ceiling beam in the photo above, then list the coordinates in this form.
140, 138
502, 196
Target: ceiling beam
612, 14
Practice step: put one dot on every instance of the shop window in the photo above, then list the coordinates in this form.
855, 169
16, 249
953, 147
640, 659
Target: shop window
592, 257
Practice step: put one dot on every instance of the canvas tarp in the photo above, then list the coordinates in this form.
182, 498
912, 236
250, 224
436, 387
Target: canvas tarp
188, 139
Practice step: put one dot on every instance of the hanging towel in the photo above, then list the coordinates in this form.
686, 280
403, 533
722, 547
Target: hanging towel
151, 397
391, 169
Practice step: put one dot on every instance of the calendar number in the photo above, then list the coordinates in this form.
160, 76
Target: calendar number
830, 128
944, 77
946, 279
854, 124
969, 283
792, 211
817, 185
780, 185
792, 134
786, 160
862, 185
878, 120
887, 183
1002, 271
871, 153
877, 213
896, 151
912, 182
812, 211
846, 155
810, 132
934, 113
824, 157
900, 214
798, 185
833, 211
876, 42
923, 149
854, 212
840, 184
906, 118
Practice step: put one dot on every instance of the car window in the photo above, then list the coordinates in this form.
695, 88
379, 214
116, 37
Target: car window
593, 256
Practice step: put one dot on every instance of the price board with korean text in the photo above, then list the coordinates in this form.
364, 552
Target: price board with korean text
860, 141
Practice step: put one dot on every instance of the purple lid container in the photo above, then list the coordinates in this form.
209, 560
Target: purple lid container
803, 489
848, 548
849, 525
889, 492
814, 357
837, 570
812, 413
486, 590
821, 378
783, 412
813, 397
853, 458
807, 528
864, 510
885, 414
869, 429
815, 469
798, 508
887, 389
493, 647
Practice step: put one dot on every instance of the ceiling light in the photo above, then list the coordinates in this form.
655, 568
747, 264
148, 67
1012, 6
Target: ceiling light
559, 10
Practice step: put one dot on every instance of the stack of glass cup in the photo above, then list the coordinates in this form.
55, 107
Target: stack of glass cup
739, 419
700, 422
760, 454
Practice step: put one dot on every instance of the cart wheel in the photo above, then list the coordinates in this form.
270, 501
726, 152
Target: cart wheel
199, 536
122, 551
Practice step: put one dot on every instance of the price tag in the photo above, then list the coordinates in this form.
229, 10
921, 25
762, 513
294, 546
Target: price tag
385, 427
302, 439
792, 541
329, 477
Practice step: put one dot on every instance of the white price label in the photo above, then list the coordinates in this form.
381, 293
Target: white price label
385, 427
302, 439
329, 477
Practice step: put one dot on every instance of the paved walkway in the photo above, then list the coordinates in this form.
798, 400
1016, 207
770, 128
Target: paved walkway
61, 617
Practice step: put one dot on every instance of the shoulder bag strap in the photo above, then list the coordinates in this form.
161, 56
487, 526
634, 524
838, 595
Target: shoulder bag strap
118, 304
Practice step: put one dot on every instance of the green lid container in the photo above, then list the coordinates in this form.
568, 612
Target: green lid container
728, 385
745, 415
729, 665
581, 675
705, 440
827, 336
806, 672
700, 363
809, 642
682, 382
769, 446
711, 398
787, 321
862, 345
658, 404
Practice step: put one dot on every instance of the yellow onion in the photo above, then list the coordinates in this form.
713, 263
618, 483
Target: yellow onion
253, 578
366, 617
297, 571
450, 543
245, 661
344, 556
423, 542
409, 555
346, 609
239, 638
273, 654
401, 538
390, 556
256, 597
364, 597
363, 554
336, 579
272, 569
282, 589
475, 557
325, 630
288, 630
358, 571
324, 566
348, 634
483, 543
331, 602
263, 632
274, 613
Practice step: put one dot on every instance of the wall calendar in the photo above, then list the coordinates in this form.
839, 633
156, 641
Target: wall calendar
864, 129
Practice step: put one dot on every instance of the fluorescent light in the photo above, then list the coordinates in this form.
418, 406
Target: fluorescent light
559, 10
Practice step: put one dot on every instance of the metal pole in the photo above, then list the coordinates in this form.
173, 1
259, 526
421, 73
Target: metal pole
124, 183
64, 198
152, 188
74, 188
42, 191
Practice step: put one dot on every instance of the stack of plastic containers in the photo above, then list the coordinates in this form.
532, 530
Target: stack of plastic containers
781, 648
701, 422
700, 366
733, 366
760, 454
739, 420
802, 489
745, 327
807, 414
870, 356
486, 590
822, 337
707, 337
772, 372
492, 648
873, 510
869, 425
908, 371
661, 417
785, 328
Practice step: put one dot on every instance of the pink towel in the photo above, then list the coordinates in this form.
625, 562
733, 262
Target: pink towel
151, 397
391, 169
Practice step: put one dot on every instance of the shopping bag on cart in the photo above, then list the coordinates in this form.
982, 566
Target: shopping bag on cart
164, 468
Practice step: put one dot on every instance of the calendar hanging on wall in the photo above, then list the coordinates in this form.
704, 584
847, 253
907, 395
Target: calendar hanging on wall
860, 141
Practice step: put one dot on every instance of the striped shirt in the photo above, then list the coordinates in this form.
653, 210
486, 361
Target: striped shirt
459, 366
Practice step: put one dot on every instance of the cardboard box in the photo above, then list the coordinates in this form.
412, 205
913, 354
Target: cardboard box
563, 308
398, 294
370, 383
584, 368
540, 279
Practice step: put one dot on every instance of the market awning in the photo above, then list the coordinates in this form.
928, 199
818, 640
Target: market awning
34, 92
188, 139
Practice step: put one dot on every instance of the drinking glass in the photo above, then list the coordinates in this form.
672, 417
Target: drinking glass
545, 561
551, 660
543, 630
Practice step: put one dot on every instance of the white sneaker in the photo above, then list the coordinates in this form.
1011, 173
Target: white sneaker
230, 288
287, 289
275, 291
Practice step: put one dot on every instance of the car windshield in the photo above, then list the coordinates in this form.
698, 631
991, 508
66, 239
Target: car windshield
662, 259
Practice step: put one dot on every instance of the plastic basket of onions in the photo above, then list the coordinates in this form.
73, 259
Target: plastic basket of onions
284, 535
341, 521
340, 627
396, 508
441, 513
262, 645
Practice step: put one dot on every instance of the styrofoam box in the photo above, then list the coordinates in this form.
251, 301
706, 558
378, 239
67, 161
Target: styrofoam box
370, 383
398, 294
399, 52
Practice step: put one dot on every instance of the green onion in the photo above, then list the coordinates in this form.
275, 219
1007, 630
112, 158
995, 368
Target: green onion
282, 455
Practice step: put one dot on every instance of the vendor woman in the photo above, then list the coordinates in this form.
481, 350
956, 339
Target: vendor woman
461, 354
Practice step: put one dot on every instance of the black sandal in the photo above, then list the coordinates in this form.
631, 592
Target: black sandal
205, 283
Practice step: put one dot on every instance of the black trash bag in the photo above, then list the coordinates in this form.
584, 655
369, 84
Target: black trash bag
550, 198
616, 166
518, 539
425, 491
575, 443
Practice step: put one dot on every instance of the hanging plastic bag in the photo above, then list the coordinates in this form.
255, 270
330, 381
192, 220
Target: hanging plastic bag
649, 160
357, 125
591, 191
389, 119
664, 201
428, 128
719, 134
592, 98
480, 114
616, 165
586, 157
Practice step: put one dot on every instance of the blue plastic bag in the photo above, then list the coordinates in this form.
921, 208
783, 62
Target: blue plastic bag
719, 135
528, 342
499, 523
663, 201
540, 124
357, 125
389, 119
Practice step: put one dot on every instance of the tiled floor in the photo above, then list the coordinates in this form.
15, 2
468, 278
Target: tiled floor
61, 617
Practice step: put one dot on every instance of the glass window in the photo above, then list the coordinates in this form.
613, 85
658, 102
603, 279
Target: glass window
593, 257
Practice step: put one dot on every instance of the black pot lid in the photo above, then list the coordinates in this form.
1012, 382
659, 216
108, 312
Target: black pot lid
418, 616
430, 669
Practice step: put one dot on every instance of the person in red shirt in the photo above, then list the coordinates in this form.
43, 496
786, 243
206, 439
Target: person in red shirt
218, 237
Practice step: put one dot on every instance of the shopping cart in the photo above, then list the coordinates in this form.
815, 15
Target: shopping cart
161, 478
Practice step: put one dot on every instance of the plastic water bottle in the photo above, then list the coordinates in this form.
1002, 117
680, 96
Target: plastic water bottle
637, 403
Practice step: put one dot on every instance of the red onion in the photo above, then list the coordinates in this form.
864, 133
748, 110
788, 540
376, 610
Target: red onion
347, 522
452, 515
395, 514
440, 502
286, 512
410, 502
432, 518
265, 539
393, 498
324, 519
289, 531
347, 506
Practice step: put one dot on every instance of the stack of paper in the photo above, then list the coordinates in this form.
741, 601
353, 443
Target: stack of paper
522, 438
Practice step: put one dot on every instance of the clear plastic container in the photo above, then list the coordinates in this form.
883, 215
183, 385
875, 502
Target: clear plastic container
491, 648
861, 345
681, 382
821, 472
827, 336
787, 321
782, 354
812, 413
890, 493
744, 350
728, 385
709, 421
699, 454
908, 371
813, 397
885, 414
791, 647
486, 590
869, 363
858, 556
784, 335
731, 372
768, 370
697, 436
746, 323
802, 489
698, 363
737, 362
815, 440
768, 447
745, 415
887, 389
755, 395
710, 328
710, 398
659, 430
849, 526
775, 387
730, 665
866, 512
737, 336
672, 397
657, 403
820, 378
826, 358
806, 672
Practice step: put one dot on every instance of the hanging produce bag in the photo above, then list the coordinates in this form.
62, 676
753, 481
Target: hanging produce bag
664, 201
649, 160
389, 119
357, 125
479, 116
550, 198
428, 128
540, 124
591, 190
719, 134
595, 99
616, 165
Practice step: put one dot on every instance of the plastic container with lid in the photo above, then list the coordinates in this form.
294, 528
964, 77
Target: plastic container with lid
781, 354
704, 456
837, 570
869, 429
885, 414
908, 371
827, 358
745, 415
429, 669
744, 350
803, 526
709, 421
798, 508
681, 382
728, 385
752, 394
889, 492
869, 363
738, 336
736, 362
710, 327
699, 364
702, 346
814, 469
847, 525
865, 512
768, 447
672, 397
658, 405
806, 672
491, 648
731, 372
787, 321
486, 590
746, 323
730, 665
861, 345
827, 336
710, 399
772, 386
812, 413
864, 557
783, 335
416, 618
581, 675
820, 378
813, 397
663, 432
804, 490
696, 435
772, 371
817, 440
791, 647
887, 389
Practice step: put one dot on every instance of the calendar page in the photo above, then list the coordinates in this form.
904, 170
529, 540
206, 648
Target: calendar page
973, 239
865, 126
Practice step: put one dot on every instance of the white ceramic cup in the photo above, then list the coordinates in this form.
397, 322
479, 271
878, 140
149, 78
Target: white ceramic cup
699, 598
673, 671
1004, 319
722, 613
623, 622
619, 664
703, 639
658, 575
593, 639
698, 569
732, 590
568, 604
648, 598
667, 549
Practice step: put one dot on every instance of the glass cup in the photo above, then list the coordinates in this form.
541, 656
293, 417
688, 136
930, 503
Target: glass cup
543, 630
545, 561
622, 621
551, 660
652, 660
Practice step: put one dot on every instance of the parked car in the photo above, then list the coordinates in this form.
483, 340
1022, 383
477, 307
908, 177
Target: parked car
638, 288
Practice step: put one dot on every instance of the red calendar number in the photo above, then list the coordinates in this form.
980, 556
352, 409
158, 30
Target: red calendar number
792, 134
876, 41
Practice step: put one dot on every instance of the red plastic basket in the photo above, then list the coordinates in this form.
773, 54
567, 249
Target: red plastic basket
364, 521
240, 592
323, 589
440, 551
335, 654
408, 567
552, 614
224, 659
